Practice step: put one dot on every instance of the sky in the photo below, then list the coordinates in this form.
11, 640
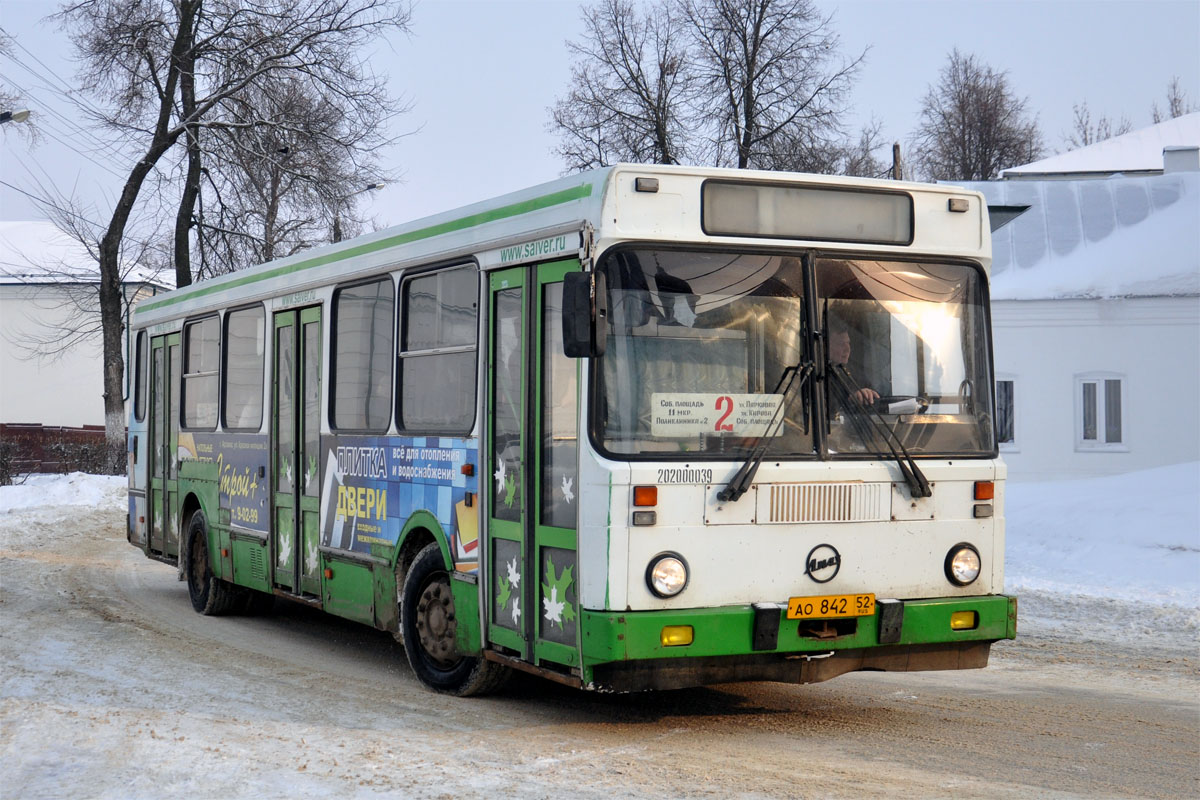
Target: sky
482, 75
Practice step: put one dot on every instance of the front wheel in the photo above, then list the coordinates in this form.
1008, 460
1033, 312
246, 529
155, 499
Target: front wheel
210, 595
429, 626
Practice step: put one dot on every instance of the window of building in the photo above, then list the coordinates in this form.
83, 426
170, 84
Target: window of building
201, 356
242, 387
1006, 422
363, 322
1098, 404
437, 355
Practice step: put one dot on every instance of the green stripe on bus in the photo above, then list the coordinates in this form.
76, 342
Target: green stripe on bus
513, 210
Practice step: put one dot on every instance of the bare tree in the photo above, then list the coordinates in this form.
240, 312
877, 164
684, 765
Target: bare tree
750, 83
280, 163
1177, 103
630, 84
164, 67
1086, 132
972, 125
69, 312
773, 84
11, 100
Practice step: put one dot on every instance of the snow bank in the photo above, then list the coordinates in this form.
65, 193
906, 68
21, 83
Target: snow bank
55, 491
1134, 537
1113, 559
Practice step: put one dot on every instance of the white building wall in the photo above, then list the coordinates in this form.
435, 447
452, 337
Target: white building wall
66, 389
1152, 344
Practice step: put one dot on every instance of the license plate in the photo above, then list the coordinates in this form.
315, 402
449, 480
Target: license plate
831, 606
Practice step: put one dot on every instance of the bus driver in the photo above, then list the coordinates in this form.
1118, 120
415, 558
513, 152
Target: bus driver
839, 356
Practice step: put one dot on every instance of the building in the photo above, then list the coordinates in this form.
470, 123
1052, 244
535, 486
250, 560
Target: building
50, 345
1096, 306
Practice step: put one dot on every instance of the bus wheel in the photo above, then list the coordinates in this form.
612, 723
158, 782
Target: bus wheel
429, 626
210, 595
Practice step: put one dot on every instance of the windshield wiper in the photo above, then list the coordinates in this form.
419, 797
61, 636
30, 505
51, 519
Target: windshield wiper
738, 485
918, 486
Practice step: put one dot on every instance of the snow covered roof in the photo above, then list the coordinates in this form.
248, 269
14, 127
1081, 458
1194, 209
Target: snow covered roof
36, 251
1136, 151
1116, 237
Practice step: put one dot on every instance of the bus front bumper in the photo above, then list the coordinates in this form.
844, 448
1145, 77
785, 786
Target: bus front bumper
626, 651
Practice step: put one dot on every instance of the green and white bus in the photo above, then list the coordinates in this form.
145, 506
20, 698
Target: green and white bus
644, 427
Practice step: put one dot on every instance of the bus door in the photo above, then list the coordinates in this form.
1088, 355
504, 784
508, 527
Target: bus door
295, 455
165, 359
532, 573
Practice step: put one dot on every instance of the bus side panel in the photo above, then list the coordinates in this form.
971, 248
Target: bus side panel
376, 491
198, 479
468, 634
138, 441
348, 589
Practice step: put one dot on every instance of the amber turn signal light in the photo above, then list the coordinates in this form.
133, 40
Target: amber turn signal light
677, 635
645, 495
964, 621
985, 490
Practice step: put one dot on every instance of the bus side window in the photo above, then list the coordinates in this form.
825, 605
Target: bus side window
362, 356
242, 380
201, 345
139, 378
437, 351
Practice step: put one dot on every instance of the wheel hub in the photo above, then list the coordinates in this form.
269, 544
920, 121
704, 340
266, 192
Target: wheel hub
436, 626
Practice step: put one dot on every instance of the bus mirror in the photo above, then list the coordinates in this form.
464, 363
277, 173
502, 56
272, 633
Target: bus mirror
584, 314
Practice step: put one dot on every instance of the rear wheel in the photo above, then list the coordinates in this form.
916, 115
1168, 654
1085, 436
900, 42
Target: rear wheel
210, 595
429, 626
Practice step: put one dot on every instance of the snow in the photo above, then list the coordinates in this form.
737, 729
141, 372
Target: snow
1117, 237
1134, 151
50, 492
1118, 556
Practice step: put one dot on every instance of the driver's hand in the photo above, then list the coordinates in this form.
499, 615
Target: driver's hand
866, 396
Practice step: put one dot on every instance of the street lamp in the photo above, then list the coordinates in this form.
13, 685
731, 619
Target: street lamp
337, 204
14, 116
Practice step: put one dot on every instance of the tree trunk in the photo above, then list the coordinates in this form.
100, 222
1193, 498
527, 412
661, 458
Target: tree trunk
111, 297
191, 186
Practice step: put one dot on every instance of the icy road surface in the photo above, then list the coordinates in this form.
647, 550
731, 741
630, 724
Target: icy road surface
111, 686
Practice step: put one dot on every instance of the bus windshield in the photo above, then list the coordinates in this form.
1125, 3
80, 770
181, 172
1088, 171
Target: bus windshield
700, 342
907, 348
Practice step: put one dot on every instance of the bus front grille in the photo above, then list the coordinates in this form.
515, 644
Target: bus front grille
825, 502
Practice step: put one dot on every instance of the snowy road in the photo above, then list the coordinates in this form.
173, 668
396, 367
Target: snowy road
112, 687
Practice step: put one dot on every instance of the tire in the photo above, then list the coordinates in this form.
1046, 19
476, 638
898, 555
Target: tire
428, 626
210, 595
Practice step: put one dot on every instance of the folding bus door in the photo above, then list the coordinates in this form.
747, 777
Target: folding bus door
532, 573
295, 437
165, 359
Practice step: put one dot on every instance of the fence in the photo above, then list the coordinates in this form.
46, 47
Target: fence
47, 448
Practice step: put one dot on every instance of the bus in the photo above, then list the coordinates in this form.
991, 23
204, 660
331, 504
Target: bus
644, 427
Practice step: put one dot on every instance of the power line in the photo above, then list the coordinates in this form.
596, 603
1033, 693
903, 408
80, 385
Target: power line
103, 147
46, 202
69, 89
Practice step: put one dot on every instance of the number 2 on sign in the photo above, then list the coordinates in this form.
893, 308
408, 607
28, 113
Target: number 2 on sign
726, 402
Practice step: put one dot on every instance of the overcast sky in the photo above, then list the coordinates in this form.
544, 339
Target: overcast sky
481, 76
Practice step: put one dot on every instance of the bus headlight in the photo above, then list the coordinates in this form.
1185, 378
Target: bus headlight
962, 564
667, 574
